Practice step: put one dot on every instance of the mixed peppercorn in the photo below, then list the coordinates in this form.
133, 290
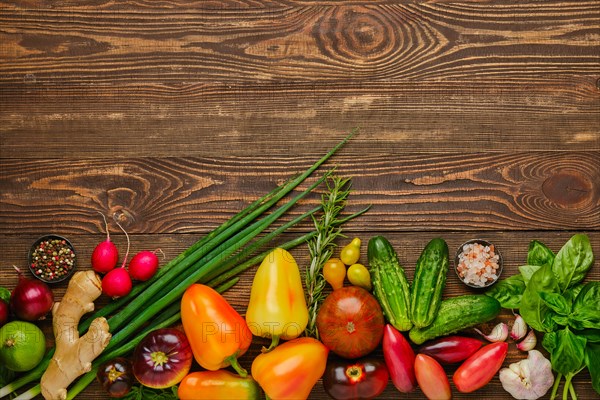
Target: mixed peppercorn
52, 259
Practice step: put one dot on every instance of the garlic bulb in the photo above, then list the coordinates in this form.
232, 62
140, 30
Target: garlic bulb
528, 379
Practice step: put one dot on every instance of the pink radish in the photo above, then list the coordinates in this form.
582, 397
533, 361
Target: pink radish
117, 282
143, 265
105, 255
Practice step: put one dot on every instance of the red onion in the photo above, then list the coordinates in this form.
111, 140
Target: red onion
3, 312
30, 299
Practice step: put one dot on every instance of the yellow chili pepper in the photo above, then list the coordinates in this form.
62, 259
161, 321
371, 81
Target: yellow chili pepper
277, 308
334, 272
351, 252
359, 275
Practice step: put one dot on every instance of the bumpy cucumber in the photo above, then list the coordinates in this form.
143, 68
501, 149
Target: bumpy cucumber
456, 314
390, 285
429, 282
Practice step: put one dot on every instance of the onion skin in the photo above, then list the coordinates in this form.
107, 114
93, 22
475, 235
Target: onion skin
31, 299
3, 312
116, 377
162, 359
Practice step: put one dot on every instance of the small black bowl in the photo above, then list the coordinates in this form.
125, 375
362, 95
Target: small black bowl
485, 243
60, 243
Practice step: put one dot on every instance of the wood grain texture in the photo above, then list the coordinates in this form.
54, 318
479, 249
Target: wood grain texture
478, 119
512, 245
276, 119
518, 191
181, 42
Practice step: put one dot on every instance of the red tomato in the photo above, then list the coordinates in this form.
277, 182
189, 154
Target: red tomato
432, 378
358, 379
350, 322
480, 368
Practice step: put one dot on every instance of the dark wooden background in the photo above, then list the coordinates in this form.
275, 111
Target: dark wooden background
477, 119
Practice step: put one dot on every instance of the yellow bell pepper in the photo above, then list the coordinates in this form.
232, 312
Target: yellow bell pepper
277, 307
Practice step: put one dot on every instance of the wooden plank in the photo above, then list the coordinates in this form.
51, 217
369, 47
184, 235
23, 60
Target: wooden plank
497, 191
276, 119
513, 246
137, 42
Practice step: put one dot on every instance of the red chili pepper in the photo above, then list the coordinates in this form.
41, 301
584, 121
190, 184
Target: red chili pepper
451, 349
480, 368
400, 359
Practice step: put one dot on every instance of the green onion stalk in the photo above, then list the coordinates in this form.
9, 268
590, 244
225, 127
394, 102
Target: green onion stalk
217, 253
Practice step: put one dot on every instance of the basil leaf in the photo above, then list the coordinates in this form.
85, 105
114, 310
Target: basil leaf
592, 360
508, 291
592, 335
533, 309
573, 261
556, 303
527, 271
586, 308
567, 351
539, 254
572, 293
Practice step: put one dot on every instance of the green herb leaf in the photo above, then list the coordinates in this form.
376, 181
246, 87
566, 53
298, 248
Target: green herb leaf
527, 271
146, 393
556, 303
592, 360
573, 261
592, 335
533, 309
508, 291
539, 254
567, 351
586, 308
5, 294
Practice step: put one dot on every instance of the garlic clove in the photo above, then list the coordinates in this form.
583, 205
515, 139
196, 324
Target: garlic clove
519, 328
528, 343
498, 334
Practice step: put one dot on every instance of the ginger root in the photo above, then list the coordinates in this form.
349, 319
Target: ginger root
74, 355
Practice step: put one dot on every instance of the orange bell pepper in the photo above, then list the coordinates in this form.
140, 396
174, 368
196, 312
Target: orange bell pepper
277, 307
217, 333
216, 385
290, 370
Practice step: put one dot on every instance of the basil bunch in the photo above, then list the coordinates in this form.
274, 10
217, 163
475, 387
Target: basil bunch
551, 298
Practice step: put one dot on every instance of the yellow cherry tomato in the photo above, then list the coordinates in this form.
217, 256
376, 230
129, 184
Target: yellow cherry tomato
334, 272
358, 275
351, 252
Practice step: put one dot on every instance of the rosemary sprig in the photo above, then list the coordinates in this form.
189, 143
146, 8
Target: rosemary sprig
328, 228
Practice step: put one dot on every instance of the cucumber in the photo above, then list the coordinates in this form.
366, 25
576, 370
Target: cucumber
390, 285
456, 314
429, 282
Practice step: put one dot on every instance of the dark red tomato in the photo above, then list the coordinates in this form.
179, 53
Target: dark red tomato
480, 368
350, 322
451, 349
162, 359
365, 378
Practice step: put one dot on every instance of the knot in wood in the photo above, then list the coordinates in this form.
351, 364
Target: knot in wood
569, 189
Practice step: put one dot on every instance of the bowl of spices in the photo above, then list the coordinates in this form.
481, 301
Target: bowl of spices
52, 259
478, 263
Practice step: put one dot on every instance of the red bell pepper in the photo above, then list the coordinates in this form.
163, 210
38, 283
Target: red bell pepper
432, 378
451, 349
365, 378
400, 359
480, 368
